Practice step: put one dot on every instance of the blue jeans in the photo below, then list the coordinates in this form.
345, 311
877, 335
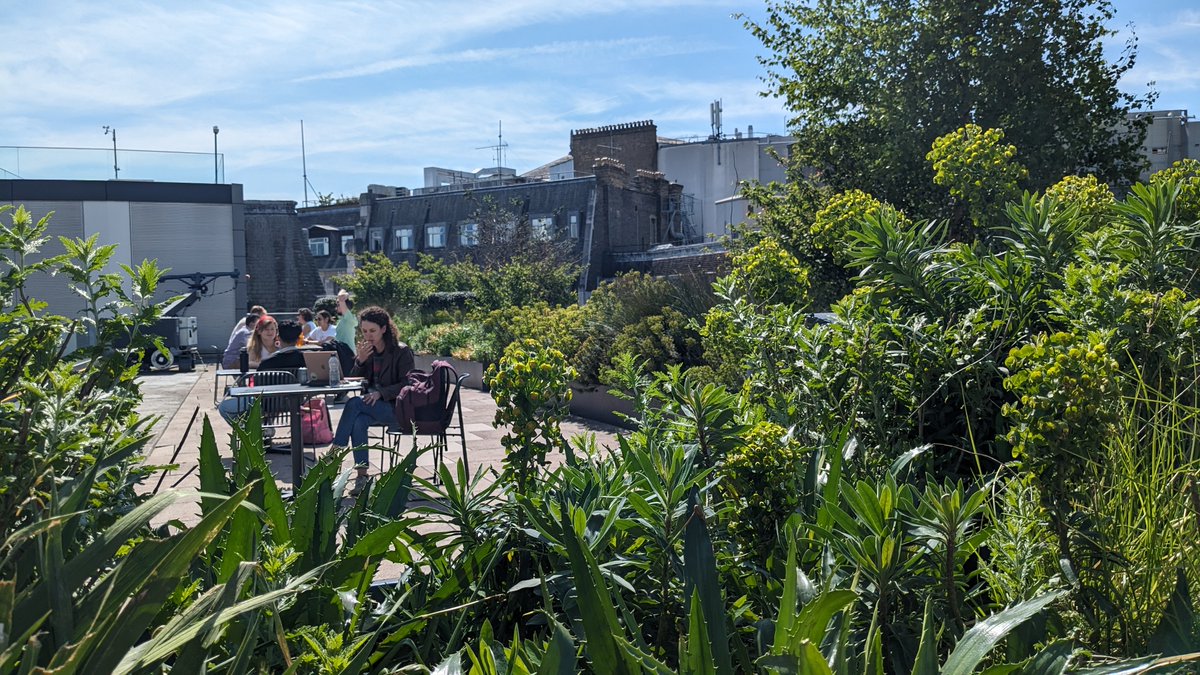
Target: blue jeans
357, 418
233, 408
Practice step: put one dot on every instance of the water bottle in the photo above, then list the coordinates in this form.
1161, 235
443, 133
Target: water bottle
335, 371
244, 361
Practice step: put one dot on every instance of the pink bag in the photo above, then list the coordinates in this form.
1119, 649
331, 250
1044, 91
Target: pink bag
314, 424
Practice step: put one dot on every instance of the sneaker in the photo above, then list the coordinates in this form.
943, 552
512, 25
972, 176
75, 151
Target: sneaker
268, 433
361, 483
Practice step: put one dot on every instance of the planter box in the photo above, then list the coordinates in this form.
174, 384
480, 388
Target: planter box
595, 403
473, 368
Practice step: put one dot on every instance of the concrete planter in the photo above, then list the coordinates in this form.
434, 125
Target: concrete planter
595, 403
473, 368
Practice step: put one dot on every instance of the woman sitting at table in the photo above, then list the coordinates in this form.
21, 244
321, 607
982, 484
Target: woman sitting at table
325, 331
384, 362
263, 342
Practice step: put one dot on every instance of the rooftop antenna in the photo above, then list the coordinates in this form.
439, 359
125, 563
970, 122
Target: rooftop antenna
714, 114
303, 163
304, 169
610, 145
499, 146
113, 131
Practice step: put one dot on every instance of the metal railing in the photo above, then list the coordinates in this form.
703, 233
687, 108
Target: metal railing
50, 163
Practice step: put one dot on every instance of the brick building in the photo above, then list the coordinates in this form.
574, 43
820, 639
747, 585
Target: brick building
623, 199
622, 204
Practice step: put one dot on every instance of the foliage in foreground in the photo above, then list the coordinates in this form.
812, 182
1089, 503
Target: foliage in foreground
900, 539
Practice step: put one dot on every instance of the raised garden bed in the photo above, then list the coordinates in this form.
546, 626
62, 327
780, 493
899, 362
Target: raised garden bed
594, 402
473, 368
590, 401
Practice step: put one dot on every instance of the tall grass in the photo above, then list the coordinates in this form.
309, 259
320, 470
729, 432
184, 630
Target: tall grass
1145, 526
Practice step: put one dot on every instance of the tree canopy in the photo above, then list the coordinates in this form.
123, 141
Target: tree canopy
872, 83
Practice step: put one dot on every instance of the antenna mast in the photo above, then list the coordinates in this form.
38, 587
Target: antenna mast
303, 163
500, 145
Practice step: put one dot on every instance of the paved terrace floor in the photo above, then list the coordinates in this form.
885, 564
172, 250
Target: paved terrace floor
174, 397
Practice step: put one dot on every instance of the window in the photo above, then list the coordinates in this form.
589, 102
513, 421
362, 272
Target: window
319, 246
347, 244
376, 240
468, 234
573, 226
404, 239
435, 236
543, 229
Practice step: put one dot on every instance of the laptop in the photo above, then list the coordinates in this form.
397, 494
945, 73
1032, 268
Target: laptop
317, 363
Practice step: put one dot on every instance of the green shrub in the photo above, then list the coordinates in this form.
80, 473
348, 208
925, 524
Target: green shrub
614, 305
1093, 199
556, 327
840, 215
1186, 174
447, 303
327, 303
1067, 391
530, 386
979, 169
767, 274
765, 480
376, 280
659, 340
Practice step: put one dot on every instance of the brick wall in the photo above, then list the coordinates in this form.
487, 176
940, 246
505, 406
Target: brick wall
633, 144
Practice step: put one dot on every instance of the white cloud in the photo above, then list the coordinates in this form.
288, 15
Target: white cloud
384, 87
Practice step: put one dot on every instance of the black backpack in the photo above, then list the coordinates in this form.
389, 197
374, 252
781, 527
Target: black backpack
421, 404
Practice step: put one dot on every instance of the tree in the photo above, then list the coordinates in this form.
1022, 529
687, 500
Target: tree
504, 234
872, 83
376, 280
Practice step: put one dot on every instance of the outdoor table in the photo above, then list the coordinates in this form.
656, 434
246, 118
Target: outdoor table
296, 395
224, 374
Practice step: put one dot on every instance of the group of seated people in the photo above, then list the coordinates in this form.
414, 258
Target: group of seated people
260, 341
379, 357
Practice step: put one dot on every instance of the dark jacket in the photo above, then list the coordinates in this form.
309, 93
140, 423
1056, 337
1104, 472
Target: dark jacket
289, 358
397, 362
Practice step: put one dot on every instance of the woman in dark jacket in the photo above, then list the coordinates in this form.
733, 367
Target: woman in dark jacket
385, 362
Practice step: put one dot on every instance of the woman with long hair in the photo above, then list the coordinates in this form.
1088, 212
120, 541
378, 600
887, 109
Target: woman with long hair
264, 341
384, 362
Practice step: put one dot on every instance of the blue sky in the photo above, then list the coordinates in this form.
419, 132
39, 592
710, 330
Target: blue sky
387, 88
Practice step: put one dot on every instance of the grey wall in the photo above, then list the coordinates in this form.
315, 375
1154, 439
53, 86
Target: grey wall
188, 228
190, 238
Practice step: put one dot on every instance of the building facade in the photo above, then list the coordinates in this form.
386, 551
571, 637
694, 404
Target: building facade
623, 193
185, 227
1171, 136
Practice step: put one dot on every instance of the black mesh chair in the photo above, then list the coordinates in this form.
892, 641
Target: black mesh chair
439, 428
276, 413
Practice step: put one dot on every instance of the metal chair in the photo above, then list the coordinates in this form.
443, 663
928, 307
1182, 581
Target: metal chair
441, 428
276, 413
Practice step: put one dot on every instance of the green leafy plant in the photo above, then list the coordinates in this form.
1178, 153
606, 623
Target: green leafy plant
529, 384
978, 168
766, 480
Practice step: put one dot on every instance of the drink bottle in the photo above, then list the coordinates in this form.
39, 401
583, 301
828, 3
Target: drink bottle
335, 371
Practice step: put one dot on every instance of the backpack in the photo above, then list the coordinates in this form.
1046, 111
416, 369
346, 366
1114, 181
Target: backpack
421, 404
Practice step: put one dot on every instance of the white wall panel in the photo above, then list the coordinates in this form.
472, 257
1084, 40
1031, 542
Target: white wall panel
110, 220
